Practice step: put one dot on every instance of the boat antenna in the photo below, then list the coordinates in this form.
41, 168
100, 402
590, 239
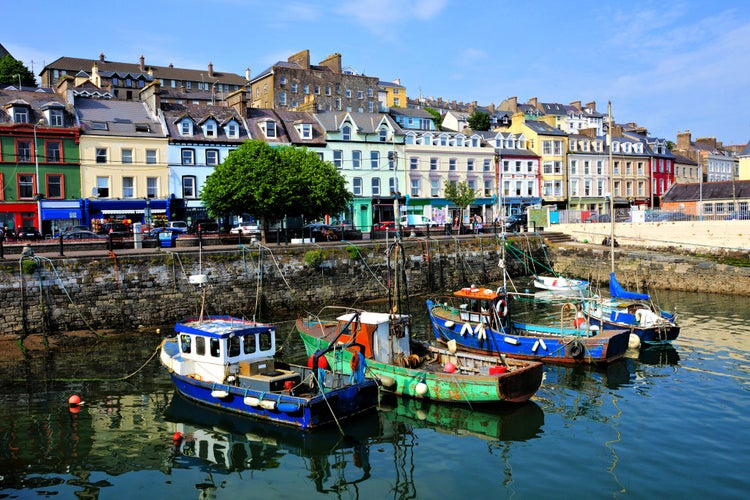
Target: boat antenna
611, 193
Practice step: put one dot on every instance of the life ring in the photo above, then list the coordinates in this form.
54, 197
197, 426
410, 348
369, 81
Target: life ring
501, 308
576, 349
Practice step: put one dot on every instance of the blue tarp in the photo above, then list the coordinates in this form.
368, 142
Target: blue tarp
616, 291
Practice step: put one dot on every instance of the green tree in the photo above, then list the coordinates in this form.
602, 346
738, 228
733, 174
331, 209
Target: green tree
271, 182
10, 68
459, 193
437, 118
479, 120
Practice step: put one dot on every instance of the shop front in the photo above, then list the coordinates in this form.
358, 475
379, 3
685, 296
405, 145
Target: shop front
144, 211
60, 215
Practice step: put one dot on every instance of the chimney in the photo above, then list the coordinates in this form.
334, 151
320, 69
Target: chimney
301, 58
101, 57
397, 81
142, 63
709, 142
591, 105
332, 62
534, 102
211, 70
151, 96
683, 140
492, 108
238, 101
576, 104
247, 74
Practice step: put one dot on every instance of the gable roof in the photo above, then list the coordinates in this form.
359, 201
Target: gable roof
175, 113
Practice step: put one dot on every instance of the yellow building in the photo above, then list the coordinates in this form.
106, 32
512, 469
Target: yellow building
392, 94
123, 152
551, 145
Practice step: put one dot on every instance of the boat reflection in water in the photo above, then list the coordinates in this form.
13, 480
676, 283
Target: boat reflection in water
658, 355
519, 422
232, 443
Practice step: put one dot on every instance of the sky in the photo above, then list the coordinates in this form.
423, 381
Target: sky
668, 66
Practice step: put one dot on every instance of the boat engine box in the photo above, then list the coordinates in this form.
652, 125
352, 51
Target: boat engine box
248, 368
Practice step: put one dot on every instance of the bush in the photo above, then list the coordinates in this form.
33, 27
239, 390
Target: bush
313, 258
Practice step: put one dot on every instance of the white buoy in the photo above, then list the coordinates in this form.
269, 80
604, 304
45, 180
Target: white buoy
466, 329
536, 346
421, 389
541, 343
511, 340
219, 394
387, 381
634, 341
251, 401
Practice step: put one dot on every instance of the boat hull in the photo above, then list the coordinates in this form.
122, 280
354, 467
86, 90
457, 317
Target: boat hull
303, 412
514, 386
530, 342
664, 331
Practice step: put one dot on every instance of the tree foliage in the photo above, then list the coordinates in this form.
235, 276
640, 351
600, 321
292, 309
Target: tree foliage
479, 120
459, 193
271, 182
437, 118
10, 68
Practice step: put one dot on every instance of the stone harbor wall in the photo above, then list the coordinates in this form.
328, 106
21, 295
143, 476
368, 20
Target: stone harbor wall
132, 289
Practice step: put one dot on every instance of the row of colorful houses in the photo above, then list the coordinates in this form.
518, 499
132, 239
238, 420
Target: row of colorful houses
77, 154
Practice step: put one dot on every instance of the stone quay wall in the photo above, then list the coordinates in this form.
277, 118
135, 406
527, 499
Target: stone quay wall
128, 289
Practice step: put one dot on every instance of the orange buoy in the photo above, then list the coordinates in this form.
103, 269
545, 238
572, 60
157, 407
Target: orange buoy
578, 322
177, 437
75, 399
74, 409
449, 367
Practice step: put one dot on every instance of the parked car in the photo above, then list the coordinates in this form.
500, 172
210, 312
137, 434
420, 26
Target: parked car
203, 226
80, 234
28, 233
598, 218
177, 224
515, 223
417, 220
245, 228
321, 232
388, 225
154, 233
116, 229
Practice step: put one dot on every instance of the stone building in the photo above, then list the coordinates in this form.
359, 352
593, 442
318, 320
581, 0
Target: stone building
297, 85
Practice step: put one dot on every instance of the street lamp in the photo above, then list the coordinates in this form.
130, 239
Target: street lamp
38, 194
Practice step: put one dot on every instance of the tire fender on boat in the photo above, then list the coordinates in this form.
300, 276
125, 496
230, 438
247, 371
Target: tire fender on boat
576, 349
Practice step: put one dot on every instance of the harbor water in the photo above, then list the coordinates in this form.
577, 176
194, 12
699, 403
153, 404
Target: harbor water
665, 423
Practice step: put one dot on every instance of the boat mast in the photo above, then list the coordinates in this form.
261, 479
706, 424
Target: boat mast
611, 193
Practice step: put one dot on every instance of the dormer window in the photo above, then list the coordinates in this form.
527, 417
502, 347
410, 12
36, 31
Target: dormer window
269, 128
232, 130
20, 114
346, 133
383, 134
304, 130
142, 127
55, 117
209, 129
186, 127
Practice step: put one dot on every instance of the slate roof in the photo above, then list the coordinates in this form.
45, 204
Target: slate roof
108, 68
410, 112
543, 128
37, 100
366, 123
724, 190
120, 117
174, 114
285, 131
746, 150
684, 160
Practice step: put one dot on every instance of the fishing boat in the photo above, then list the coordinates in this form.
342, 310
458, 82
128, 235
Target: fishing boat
478, 320
228, 364
560, 284
632, 311
408, 367
647, 323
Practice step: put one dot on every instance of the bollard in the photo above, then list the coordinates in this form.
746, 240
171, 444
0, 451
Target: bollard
200, 239
2, 250
110, 245
239, 238
61, 246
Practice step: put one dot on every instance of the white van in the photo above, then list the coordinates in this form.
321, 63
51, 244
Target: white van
417, 220
177, 224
